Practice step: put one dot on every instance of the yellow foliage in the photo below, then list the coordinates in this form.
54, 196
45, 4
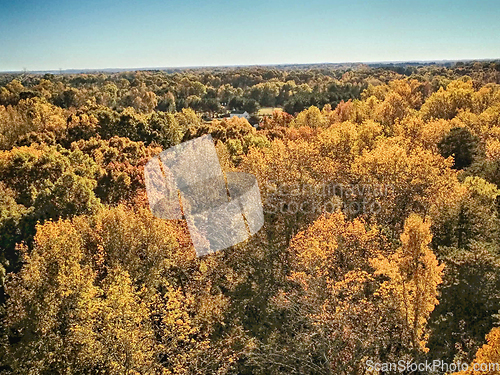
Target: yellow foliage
330, 248
414, 276
311, 117
29, 115
446, 103
415, 132
487, 359
493, 149
339, 141
417, 180
369, 132
110, 292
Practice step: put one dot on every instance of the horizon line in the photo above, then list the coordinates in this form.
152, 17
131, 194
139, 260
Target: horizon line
187, 67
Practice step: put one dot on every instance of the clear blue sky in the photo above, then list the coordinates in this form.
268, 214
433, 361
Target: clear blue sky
54, 34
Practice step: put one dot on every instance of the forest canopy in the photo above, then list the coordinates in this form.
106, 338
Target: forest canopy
380, 187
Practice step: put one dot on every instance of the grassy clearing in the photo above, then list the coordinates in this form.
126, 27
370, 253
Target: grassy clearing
268, 111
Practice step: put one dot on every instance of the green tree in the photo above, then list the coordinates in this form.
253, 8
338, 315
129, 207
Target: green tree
460, 144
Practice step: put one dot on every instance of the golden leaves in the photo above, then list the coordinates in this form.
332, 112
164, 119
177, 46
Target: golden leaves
413, 278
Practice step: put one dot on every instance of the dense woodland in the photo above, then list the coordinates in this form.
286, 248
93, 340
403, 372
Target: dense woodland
380, 187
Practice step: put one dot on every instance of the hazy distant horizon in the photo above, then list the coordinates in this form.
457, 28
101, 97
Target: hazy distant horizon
161, 68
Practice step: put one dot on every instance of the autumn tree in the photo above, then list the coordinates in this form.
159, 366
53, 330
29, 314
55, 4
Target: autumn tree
446, 103
414, 275
118, 292
121, 166
413, 180
30, 118
474, 219
487, 359
329, 310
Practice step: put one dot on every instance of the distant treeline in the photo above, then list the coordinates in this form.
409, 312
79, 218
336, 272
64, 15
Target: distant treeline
213, 92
